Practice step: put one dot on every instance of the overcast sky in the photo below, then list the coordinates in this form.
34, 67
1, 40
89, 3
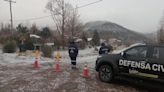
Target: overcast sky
138, 15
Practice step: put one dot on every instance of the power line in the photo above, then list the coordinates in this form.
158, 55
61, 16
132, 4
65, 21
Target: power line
37, 18
90, 4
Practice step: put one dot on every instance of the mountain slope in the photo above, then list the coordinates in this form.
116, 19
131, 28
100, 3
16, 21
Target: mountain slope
113, 30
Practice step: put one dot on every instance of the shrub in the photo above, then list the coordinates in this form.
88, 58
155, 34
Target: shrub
10, 47
47, 51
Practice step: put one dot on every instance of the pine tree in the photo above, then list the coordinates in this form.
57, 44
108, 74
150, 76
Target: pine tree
45, 33
22, 29
34, 29
96, 38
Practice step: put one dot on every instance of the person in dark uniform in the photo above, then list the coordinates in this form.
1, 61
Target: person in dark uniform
73, 52
104, 49
22, 47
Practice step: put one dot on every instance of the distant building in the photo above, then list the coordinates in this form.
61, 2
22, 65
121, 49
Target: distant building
37, 42
49, 44
89, 42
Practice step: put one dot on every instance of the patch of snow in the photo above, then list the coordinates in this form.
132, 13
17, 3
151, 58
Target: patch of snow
35, 36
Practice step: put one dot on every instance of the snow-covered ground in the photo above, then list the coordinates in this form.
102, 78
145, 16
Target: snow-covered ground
18, 75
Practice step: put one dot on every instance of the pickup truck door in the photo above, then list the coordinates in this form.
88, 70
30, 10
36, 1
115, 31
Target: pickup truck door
135, 55
157, 61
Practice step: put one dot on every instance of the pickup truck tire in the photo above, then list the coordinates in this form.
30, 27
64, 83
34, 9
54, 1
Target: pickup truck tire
105, 73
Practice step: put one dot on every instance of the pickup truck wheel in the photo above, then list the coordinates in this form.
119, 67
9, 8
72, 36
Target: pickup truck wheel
105, 73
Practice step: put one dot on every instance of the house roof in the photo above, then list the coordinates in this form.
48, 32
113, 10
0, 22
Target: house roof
35, 36
78, 40
89, 39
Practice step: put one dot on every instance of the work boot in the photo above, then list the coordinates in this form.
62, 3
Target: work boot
74, 67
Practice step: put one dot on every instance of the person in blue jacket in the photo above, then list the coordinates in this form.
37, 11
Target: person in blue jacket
73, 52
104, 49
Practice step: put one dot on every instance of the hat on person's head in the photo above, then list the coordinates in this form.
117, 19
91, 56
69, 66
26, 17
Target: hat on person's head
72, 42
102, 44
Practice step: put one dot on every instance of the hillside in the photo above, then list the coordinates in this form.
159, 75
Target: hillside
113, 30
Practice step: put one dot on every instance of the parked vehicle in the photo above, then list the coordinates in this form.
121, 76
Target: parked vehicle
140, 61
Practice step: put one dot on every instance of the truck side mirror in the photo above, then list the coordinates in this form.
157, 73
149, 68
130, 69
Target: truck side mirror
123, 54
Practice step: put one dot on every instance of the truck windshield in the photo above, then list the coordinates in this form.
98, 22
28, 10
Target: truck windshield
119, 51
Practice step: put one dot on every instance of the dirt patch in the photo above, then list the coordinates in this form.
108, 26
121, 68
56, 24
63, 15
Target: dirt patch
26, 79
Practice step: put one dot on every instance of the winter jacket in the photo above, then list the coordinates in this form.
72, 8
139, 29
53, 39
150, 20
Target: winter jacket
104, 49
73, 50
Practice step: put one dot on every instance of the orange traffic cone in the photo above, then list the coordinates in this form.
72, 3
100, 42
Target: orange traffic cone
36, 65
57, 68
85, 71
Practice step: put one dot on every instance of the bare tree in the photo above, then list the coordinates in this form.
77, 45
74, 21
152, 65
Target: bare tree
160, 34
60, 12
66, 18
34, 29
73, 24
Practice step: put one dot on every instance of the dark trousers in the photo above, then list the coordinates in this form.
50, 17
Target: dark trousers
73, 60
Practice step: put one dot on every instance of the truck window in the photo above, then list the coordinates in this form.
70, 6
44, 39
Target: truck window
137, 52
158, 53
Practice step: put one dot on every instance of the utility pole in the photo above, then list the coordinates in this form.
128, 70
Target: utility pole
10, 2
